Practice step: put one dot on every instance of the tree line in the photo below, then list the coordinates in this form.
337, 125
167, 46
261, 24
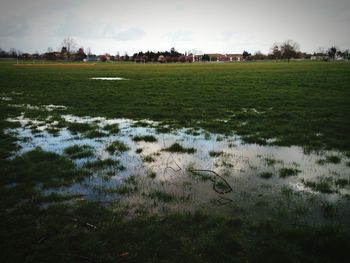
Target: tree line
286, 50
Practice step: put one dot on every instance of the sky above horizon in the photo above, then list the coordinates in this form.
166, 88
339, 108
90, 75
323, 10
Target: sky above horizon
220, 26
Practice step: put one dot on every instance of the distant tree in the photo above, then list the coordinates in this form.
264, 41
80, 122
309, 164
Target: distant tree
289, 49
246, 55
80, 55
12, 53
331, 52
49, 49
205, 57
70, 45
275, 50
258, 56
63, 50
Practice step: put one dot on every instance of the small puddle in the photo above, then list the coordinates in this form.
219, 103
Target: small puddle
109, 78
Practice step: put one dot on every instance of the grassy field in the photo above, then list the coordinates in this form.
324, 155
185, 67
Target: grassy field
298, 103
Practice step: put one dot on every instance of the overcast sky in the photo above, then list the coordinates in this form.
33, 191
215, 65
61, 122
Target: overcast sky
225, 26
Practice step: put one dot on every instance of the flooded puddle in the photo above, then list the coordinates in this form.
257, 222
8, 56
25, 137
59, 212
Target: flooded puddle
198, 168
109, 78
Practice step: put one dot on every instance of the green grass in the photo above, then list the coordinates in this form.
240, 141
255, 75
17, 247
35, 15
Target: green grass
178, 148
290, 98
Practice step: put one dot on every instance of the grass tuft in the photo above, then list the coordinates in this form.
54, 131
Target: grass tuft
176, 147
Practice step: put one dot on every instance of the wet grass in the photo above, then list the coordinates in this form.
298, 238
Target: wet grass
145, 138
76, 127
324, 185
266, 175
334, 159
117, 147
184, 94
286, 172
271, 162
79, 151
139, 150
148, 159
94, 134
99, 164
178, 148
216, 153
162, 196
112, 128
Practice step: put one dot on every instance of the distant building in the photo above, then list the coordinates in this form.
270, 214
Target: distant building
225, 57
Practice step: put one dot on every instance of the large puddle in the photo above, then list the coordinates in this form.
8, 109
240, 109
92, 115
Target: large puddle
199, 168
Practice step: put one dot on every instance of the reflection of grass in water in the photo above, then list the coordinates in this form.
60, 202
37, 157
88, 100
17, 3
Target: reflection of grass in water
285, 172
79, 151
176, 147
146, 138
117, 146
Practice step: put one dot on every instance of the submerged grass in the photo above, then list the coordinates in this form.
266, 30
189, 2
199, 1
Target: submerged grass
117, 146
178, 148
266, 175
146, 138
79, 151
99, 164
285, 172
112, 128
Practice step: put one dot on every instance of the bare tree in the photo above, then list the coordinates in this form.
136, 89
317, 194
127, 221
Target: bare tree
69, 45
289, 49
275, 49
